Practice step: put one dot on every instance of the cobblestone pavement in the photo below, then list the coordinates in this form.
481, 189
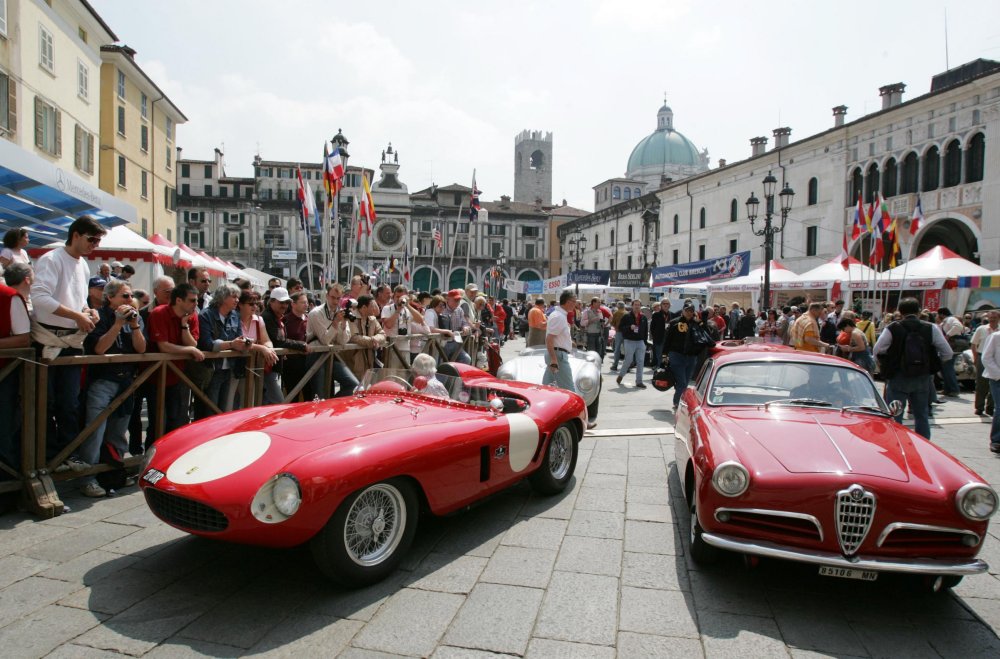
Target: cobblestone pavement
601, 571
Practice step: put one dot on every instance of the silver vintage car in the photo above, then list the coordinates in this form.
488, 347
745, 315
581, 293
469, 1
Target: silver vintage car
530, 366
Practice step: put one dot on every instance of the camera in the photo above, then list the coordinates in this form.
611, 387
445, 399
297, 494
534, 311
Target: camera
350, 316
403, 331
131, 314
247, 340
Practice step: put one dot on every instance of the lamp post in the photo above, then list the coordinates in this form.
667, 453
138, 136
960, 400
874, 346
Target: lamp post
499, 273
341, 143
768, 230
577, 245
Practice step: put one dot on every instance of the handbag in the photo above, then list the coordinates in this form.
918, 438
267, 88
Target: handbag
663, 379
698, 339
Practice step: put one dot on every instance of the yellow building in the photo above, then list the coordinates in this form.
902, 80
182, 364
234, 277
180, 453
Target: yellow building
138, 136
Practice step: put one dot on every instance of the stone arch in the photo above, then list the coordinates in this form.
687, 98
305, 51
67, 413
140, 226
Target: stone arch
302, 273
529, 274
536, 160
952, 230
426, 279
459, 278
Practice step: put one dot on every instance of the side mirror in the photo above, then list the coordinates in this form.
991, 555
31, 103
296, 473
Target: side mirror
896, 407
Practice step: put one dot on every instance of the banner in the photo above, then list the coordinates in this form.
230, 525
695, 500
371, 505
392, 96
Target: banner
514, 285
599, 277
630, 278
726, 267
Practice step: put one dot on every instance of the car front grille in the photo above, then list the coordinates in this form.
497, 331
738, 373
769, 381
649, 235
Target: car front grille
185, 513
855, 510
793, 527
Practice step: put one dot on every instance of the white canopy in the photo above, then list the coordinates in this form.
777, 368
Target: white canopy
930, 270
752, 281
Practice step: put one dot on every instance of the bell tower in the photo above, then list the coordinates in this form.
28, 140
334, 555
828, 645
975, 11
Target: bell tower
533, 167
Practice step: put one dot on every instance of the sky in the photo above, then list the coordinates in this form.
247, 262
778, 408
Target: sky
450, 83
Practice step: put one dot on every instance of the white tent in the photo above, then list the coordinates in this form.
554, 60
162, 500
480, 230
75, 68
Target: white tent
746, 290
937, 268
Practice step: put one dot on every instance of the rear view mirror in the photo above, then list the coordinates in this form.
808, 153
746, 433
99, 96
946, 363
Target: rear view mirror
896, 407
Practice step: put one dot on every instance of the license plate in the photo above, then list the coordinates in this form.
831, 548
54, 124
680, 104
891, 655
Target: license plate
153, 476
847, 573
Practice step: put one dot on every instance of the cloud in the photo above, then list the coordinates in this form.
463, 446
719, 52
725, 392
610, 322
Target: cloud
640, 15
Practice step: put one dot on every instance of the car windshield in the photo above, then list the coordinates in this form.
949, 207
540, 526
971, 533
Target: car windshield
793, 383
401, 380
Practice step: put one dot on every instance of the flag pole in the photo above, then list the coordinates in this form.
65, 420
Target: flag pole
468, 250
430, 278
454, 244
355, 232
305, 222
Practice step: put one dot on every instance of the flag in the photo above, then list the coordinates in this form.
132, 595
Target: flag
367, 208
356, 215
474, 206
393, 264
918, 218
406, 263
845, 259
859, 214
437, 238
878, 248
894, 250
870, 217
883, 212
333, 171
307, 204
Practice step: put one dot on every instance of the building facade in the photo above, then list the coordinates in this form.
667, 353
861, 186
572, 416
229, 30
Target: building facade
533, 167
138, 139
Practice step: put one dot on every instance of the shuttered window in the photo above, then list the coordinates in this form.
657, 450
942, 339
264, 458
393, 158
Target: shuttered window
48, 127
83, 150
8, 105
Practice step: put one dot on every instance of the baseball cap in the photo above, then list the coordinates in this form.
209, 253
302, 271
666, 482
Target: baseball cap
117, 264
97, 282
280, 294
456, 293
688, 304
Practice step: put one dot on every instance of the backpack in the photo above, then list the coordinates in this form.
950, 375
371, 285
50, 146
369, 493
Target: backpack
915, 358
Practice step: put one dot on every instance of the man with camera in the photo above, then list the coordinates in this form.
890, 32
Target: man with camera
119, 331
174, 330
327, 326
396, 319
365, 332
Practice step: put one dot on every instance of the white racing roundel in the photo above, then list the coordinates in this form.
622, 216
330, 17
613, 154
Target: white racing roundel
523, 440
218, 458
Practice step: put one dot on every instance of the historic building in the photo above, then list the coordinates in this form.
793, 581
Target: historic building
533, 167
935, 147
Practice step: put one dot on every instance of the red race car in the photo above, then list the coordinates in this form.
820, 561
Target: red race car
796, 456
351, 475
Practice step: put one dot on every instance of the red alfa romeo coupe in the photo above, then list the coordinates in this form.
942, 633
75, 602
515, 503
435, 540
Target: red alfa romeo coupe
351, 475
796, 456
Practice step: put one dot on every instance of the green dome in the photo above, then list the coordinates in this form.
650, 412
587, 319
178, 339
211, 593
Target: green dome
663, 147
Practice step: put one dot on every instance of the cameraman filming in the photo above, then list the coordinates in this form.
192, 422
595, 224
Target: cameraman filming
397, 317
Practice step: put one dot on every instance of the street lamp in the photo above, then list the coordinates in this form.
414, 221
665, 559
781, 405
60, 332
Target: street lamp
577, 245
341, 143
498, 276
768, 230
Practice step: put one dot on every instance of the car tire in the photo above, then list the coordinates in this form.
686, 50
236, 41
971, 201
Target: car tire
558, 463
934, 584
702, 553
593, 407
366, 537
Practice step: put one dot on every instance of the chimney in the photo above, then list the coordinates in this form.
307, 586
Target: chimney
781, 136
758, 145
892, 95
839, 113
504, 201
722, 162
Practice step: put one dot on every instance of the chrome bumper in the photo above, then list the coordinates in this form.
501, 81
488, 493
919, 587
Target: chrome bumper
956, 567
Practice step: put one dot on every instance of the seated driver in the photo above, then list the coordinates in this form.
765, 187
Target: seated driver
819, 387
424, 365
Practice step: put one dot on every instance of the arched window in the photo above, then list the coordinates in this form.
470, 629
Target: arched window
616, 192
871, 183
813, 192
628, 192
537, 160
701, 218
677, 224
734, 207
630, 233
613, 243
975, 156
909, 182
857, 184
932, 169
953, 164
889, 178
637, 192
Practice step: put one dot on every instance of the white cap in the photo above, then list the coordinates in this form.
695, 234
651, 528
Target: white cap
280, 294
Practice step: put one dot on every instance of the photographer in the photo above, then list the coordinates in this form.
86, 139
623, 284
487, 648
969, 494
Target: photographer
366, 332
119, 331
220, 330
397, 316
327, 326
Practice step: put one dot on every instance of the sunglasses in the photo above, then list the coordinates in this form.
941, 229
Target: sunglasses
127, 296
206, 281
94, 240
192, 300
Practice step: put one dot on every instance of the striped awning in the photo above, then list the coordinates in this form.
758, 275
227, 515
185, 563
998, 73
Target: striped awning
45, 199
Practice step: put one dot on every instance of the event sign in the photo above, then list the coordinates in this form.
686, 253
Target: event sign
599, 277
932, 299
514, 285
726, 267
554, 285
630, 278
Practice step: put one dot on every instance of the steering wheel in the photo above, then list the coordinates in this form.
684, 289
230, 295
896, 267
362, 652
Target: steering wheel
396, 378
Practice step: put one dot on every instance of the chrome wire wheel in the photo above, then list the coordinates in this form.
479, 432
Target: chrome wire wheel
561, 453
375, 524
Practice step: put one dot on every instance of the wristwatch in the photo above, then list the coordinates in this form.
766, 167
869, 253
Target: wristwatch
184, 327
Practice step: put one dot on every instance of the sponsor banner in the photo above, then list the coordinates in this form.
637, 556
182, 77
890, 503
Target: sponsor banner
554, 285
533, 287
727, 267
514, 285
599, 277
932, 299
630, 278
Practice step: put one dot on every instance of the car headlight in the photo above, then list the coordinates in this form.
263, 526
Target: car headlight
976, 501
286, 494
731, 479
586, 383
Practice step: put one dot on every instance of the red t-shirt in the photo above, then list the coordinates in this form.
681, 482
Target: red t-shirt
164, 325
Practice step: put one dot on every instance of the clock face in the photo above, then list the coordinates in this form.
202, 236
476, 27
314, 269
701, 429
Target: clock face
389, 234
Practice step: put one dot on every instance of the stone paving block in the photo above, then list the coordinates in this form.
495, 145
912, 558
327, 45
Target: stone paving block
543, 648
147, 541
451, 652
90, 567
594, 498
24, 533
988, 610
539, 533
604, 466
981, 585
728, 591
84, 540
894, 641
962, 639
14, 568
608, 453
116, 590
604, 481
361, 653
396, 628
579, 608
559, 506
357, 604
74, 651
189, 648
590, 556
648, 512
645, 447
43, 630
307, 636
520, 566
817, 626
660, 571
180, 557
642, 646
511, 612
659, 496
663, 612
597, 524
725, 635
473, 536
137, 516
648, 478
447, 573
30, 594
651, 537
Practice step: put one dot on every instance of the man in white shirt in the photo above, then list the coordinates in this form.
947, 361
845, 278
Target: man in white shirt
327, 326
396, 317
984, 403
59, 299
991, 371
559, 346
952, 328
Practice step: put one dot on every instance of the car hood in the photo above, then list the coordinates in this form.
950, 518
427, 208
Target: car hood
824, 441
